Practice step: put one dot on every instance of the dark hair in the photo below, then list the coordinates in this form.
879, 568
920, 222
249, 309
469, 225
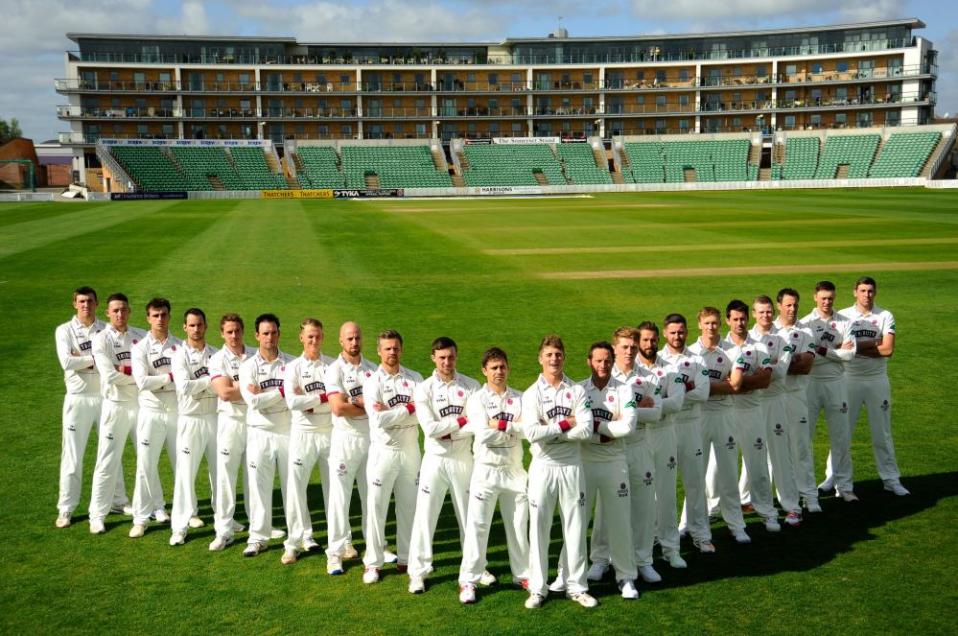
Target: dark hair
273, 318
84, 291
194, 311
494, 353
552, 340
118, 296
824, 285
762, 299
672, 319
648, 325
601, 344
232, 318
864, 280
158, 303
442, 342
390, 334
787, 291
736, 305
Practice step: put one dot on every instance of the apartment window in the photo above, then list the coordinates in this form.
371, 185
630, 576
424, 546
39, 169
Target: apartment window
493, 78
220, 78
761, 71
587, 103
660, 100
660, 76
789, 121
323, 130
841, 67
683, 100
517, 128
684, 125
345, 81
736, 122
817, 68
493, 105
165, 79
346, 105
790, 95
587, 78
815, 121
244, 80
420, 130
167, 131
142, 131
346, 130
683, 75
245, 106
737, 71
640, 75
660, 125
494, 128
841, 119
791, 69
640, 99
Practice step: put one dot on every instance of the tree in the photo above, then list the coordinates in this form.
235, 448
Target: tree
9, 130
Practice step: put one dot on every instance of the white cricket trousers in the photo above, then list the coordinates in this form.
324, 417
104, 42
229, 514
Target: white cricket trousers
691, 456
390, 471
549, 484
437, 476
306, 449
507, 486
230, 451
80, 414
607, 483
753, 436
720, 435
800, 444
778, 433
641, 485
116, 421
664, 445
153, 430
348, 454
195, 437
874, 392
266, 451
830, 395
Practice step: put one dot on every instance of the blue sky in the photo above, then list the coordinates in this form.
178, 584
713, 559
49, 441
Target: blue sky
33, 42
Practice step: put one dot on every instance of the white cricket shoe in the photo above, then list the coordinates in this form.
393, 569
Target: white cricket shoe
289, 557
350, 553
196, 522
276, 533
812, 505
178, 538
534, 601
122, 509
487, 578
676, 561
627, 587
828, 485
848, 496
96, 526
63, 520
310, 545
370, 576
891, 485
416, 585
160, 515
388, 557
793, 518
584, 599
597, 571
237, 526
137, 531
467, 594
220, 543
649, 575
772, 525
741, 536
704, 546
334, 565
254, 548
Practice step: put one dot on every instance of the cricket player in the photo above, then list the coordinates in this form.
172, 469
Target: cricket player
778, 429
498, 475
81, 404
606, 469
755, 363
440, 402
688, 435
639, 461
556, 419
796, 382
230, 428
349, 443
111, 354
866, 376
394, 455
268, 423
152, 359
309, 436
196, 422
827, 391
718, 418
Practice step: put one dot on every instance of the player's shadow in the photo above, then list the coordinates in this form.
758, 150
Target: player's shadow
820, 538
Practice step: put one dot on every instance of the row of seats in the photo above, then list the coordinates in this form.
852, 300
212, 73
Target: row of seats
579, 165
657, 162
903, 155
396, 167
151, 168
511, 165
197, 168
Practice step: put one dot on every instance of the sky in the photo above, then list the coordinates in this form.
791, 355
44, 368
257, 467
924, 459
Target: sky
33, 42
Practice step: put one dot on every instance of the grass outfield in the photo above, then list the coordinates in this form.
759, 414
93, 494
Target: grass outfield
485, 272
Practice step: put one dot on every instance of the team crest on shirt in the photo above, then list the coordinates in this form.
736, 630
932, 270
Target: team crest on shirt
509, 401
719, 360
610, 398
647, 480
623, 490
759, 443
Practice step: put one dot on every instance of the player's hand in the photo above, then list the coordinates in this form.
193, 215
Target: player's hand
254, 389
646, 403
379, 407
848, 344
298, 391
493, 423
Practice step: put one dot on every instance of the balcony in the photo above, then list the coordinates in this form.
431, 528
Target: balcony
152, 112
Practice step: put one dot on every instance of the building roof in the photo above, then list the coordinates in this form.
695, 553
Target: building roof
912, 22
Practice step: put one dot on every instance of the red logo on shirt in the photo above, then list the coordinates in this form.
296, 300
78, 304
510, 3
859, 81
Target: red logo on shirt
509, 401
611, 398
568, 396
833, 325
461, 394
368, 374
720, 360
405, 384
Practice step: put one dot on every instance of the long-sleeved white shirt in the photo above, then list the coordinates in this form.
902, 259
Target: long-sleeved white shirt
153, 372
310, 405
719, 366
74, 342
345, 378
225, 363
441, 410
613, 419
780, 357
501, 446
828, 334
670, 389
750, 358
191, 375
872, 325
112, 349
690, 368
266, 410
641, 388
544, 409
396, 426
799, 340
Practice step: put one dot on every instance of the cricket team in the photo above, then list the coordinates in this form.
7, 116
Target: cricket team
735, 415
